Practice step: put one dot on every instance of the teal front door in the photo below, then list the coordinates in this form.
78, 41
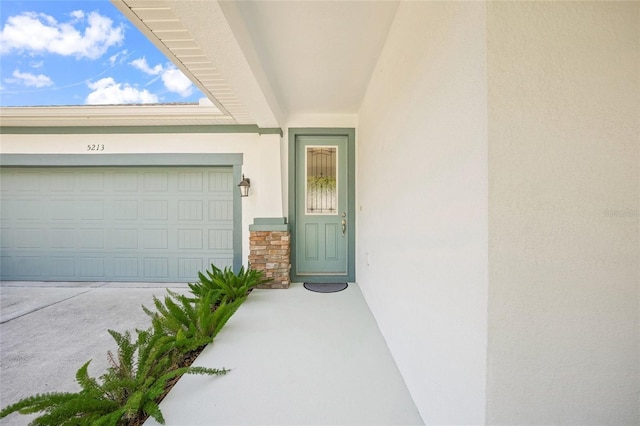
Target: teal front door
323, 249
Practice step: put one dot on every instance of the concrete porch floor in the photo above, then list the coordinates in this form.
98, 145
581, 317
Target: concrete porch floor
296, 357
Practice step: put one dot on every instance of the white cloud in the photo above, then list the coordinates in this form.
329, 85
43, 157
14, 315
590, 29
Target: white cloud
175, 81
39, 33
142, 65
78, 14
31, 80
107, 92
118, 58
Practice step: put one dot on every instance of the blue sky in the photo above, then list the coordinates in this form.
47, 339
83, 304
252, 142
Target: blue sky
81, 53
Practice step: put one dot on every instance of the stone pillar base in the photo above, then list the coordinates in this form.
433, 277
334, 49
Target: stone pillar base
270, 250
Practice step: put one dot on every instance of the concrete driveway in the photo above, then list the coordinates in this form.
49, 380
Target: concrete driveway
48, 330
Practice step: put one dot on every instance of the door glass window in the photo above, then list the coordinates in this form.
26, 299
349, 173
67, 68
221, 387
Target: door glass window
321, 180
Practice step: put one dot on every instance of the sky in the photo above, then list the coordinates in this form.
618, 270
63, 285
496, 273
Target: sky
58, 52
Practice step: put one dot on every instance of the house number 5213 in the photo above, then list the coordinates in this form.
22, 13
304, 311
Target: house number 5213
95, 147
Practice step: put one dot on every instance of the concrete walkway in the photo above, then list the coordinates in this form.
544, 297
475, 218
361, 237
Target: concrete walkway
297, 357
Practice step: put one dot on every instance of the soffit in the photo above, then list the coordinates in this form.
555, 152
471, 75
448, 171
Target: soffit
318, 56
158, 20
114, 115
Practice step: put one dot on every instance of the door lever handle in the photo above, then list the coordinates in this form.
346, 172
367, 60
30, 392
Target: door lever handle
344, 226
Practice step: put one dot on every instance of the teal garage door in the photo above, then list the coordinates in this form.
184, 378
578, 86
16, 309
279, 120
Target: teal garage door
143, 224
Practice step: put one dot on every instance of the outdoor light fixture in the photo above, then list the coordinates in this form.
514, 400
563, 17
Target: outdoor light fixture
244, 186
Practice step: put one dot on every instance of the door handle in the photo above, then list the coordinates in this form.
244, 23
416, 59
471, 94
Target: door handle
344, 226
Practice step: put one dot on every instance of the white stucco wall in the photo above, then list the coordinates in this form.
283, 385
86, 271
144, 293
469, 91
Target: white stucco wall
564, 170
422, 197
261, 159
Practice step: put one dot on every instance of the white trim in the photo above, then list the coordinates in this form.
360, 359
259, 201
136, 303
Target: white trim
113, 115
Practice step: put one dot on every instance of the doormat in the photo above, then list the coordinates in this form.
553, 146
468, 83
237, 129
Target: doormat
325, 287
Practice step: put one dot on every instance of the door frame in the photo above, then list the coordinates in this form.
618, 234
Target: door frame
349, 133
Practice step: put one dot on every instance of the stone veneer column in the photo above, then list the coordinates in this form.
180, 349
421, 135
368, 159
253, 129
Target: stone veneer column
270, 250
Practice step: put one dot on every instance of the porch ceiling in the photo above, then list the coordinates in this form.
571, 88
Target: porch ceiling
318, 56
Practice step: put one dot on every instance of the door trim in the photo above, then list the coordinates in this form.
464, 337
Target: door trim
349, 133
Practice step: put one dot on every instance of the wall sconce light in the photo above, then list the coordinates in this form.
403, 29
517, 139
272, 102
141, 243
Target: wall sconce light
244, 186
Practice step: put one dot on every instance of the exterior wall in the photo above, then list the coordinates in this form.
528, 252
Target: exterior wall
261, 159
422, 197
564, 136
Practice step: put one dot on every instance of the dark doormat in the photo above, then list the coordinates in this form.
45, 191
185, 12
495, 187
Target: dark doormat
325, 287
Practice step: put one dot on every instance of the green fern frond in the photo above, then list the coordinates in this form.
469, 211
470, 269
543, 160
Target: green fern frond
36, 403
153, 410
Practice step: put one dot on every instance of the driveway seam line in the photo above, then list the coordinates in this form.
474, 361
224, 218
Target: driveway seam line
49, 305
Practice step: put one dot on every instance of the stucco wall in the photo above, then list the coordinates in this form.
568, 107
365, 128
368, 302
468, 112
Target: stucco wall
422, 197
261, 159
564, 136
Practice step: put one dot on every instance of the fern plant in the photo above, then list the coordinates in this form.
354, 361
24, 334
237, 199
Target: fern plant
191, 323
129, 390
226, 284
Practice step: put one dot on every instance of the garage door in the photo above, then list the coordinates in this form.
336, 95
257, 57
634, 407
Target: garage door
146, 224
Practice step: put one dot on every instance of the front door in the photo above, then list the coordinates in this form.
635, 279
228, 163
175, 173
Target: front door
323, 249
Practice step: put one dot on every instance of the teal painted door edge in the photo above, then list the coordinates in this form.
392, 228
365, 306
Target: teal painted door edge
351, 175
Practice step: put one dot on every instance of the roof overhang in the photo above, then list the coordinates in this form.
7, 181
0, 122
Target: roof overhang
113, 115
197, 38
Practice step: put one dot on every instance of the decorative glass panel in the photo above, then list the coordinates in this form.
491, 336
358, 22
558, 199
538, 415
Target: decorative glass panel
321, 182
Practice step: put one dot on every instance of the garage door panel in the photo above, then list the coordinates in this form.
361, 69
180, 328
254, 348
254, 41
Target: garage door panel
156, 267
28, 267
220, 182
221, 209
62, 210
91, 238
124, 239
62, 268
118, 224
189, 239
221, 262
188, 268
30, 238
125, 210
6, 238
62, 182
91, 182
91, 267
190, 210
91, 209
62, 238
155, 239
156, 182
25, 181
125, 268
125, 182
220, 239
190, 182
26, 209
